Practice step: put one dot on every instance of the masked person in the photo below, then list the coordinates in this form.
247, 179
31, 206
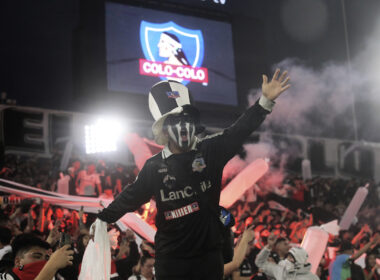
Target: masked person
185, 180
32, 260
294, 266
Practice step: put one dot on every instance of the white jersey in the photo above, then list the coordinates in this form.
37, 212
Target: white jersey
63, 185
87, 183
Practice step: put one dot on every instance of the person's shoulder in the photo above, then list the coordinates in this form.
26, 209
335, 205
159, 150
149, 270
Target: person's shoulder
209, 137
154, 160
155, 157
208, 140
133, 277
6, 276
341, 259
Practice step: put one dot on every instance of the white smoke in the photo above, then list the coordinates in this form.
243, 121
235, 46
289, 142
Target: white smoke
327, 92
368, 63
253, 152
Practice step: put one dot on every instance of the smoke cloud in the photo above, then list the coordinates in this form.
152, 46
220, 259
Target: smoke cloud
316, 100
253, 152
320, 101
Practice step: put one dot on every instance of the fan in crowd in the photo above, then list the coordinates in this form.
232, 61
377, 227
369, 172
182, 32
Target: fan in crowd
261, 238
255, 226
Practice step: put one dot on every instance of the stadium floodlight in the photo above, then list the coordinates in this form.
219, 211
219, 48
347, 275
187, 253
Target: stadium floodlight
103, 135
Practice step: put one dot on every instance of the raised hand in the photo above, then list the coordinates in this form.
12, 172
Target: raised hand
276, 86
62, 257
249, 234
80, 213
54, 234
271, 240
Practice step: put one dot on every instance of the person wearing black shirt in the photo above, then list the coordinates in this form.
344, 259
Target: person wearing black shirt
185, 180
72, 187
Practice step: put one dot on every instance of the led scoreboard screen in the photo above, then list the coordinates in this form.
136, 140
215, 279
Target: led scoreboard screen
144, 46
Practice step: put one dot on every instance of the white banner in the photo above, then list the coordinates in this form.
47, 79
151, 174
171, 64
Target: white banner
90, 205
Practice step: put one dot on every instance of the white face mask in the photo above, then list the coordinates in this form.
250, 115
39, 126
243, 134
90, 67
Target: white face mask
289, 266
181, 130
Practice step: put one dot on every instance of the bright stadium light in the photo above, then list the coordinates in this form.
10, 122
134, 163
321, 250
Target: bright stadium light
103, 135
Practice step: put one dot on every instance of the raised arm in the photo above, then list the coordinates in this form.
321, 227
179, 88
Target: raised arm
59, 259
365, 248
271, 269
233, 137
360, 234
239, 252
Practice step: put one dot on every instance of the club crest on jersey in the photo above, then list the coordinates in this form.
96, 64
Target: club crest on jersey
172, 52
198, 164
169, 181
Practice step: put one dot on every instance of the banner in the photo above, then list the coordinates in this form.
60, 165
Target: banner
90, 205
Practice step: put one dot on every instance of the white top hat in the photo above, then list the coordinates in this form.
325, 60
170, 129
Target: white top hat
168, 98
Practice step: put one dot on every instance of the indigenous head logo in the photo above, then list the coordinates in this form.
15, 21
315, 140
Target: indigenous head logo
172, 52
169, 181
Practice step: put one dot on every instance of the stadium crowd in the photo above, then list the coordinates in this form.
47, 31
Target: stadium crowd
39, 240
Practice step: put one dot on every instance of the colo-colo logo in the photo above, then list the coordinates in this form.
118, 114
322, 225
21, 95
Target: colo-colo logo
194, 74
172, 52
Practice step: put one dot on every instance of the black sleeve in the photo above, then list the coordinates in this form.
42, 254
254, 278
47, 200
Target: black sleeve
234, 136
130, 199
